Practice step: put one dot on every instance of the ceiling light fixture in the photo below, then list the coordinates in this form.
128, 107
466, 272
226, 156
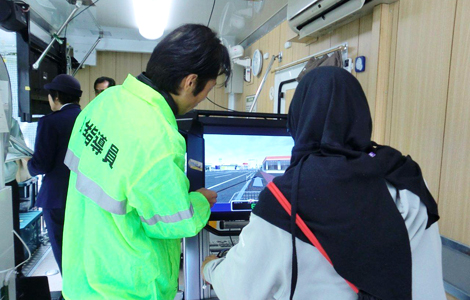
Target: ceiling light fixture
152, 17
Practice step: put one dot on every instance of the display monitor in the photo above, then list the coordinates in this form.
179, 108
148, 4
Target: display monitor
235, 154
238, 167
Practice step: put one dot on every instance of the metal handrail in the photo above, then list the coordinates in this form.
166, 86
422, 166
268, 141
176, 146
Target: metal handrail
302, 60
55, 36
279, 56
100, 37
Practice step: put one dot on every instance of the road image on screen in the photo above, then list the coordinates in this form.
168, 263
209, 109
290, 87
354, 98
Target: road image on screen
238, 167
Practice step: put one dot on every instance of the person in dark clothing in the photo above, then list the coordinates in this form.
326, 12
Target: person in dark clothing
102, 83
367, 204
52, 138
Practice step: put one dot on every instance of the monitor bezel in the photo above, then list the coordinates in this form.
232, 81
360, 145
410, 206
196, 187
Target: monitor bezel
198, 123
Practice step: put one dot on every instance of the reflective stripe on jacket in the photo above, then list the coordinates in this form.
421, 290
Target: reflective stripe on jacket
128, 203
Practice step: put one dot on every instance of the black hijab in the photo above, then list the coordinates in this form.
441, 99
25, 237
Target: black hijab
337, 183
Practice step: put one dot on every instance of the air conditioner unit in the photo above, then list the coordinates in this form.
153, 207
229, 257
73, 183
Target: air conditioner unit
313, 18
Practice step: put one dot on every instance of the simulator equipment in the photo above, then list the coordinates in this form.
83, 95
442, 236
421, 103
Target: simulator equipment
235, 154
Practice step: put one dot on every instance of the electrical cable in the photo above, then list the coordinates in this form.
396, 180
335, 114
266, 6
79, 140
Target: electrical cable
11, 270
210, 17
220, 105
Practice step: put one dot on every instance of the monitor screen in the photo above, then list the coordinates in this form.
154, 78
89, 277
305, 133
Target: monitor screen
238, 167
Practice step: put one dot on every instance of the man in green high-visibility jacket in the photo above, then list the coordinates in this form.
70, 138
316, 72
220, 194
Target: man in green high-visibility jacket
128, 204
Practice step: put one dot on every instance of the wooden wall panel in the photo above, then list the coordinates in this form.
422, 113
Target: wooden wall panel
348, 33
364, 49
283, 37
354, 33
106, 66
83, 77
391, 77
299, 51
127, 63
145, 60
275, 44
323, 42
116, 65
369, 46
379, 95
420, 83
454, 195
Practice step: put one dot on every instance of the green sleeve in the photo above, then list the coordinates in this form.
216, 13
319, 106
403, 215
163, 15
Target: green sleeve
161, 198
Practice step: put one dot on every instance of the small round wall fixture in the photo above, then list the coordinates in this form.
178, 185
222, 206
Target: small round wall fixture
257, 63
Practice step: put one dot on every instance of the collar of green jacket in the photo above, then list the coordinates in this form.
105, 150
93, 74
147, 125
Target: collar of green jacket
171, 102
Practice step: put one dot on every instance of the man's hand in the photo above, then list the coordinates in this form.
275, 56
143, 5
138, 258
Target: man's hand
204, 263
211, 196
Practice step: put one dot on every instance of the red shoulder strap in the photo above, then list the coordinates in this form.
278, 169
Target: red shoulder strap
298, 220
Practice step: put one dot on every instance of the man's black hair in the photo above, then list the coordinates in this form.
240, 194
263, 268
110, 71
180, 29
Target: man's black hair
103, 79
189, 49
63, 97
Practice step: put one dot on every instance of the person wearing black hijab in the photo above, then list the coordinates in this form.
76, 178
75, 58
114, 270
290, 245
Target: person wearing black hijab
367, 204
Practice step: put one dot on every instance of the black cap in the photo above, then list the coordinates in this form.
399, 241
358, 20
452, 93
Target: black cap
65, 84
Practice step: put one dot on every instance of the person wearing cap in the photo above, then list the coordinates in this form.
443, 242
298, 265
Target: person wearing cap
52, 138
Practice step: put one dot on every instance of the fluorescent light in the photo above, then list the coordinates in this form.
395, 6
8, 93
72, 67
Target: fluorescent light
152, 17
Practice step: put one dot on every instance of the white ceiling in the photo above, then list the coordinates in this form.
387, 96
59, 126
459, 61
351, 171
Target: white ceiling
116, 17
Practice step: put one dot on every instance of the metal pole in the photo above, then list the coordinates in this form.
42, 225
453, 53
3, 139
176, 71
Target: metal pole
38, 62
319, 54
100, 37
69, 60
263, 81
88, 54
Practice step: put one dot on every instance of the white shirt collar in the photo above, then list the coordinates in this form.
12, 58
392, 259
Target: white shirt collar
64, 105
